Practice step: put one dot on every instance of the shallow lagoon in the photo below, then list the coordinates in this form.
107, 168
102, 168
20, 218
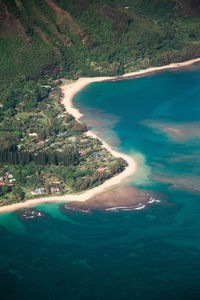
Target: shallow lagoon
146, 254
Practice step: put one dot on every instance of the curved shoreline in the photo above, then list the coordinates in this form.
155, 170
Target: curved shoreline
69, 92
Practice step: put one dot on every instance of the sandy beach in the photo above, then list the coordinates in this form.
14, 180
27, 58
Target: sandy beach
69, 91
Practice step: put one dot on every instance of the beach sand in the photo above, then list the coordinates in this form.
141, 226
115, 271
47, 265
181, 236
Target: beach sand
69, 91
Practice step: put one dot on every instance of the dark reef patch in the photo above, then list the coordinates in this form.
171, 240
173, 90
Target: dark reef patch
28, 214
122, 198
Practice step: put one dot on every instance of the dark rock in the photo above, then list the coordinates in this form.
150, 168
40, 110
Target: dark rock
28, 214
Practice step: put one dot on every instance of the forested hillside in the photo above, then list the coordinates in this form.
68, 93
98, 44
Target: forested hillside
56, 38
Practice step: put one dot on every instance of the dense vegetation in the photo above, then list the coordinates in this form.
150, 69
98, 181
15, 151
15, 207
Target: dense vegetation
14, 156
70, 38
43, 40
44, 150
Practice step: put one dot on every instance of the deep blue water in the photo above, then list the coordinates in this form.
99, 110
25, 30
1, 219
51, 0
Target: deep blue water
148, 254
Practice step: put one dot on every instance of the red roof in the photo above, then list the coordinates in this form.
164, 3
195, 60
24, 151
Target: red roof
41, 142
82, 152
101, 169
8, 184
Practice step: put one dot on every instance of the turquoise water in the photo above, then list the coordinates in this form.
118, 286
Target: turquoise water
147, 254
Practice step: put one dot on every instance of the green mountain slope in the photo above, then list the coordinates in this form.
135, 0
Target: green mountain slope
74, 37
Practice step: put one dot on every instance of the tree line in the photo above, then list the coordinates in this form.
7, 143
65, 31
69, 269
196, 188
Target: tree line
15, 157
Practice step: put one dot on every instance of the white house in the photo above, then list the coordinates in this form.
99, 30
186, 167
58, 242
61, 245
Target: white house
33, 134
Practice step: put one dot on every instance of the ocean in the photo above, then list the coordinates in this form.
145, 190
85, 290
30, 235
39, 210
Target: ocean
147, 254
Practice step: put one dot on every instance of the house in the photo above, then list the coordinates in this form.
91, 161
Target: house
54, 190
33, 134
34, 192
39, 191
60, 116
61, 134
72, 138
8, 184
10, 176
1, 178
12, 180
98, 68
41, 142
101, 169
59, 150
82, 152
46, 86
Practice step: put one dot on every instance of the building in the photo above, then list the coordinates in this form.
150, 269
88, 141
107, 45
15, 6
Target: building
82, 152
54, 190
12, 180
72, 138
3, 183
61, 116
39, 191
101, 169
98, 68
56, 182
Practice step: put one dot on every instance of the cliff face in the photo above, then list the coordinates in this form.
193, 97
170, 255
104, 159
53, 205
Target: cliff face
63, 37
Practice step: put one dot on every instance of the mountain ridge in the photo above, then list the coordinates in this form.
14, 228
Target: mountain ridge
74, 38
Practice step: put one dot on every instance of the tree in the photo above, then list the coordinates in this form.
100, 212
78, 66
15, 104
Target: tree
18, 193
115, 167
9, 140
79, 128
5, 189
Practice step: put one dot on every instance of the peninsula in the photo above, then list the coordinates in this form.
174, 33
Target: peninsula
69, 91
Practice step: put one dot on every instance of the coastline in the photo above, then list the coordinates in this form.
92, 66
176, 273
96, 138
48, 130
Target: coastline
69, 91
